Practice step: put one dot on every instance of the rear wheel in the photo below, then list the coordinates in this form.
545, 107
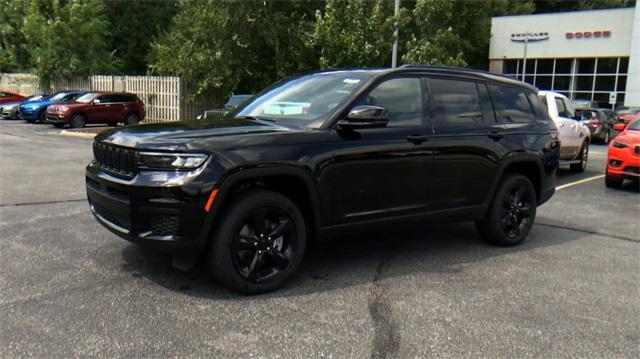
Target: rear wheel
77, 120
612, 181
511, 214
132, 119
584, 156
259, 245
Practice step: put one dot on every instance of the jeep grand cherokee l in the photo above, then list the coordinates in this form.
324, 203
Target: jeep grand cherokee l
98, 107
322, 154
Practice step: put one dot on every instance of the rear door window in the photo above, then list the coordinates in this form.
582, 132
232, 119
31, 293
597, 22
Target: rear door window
511, 104
454, 101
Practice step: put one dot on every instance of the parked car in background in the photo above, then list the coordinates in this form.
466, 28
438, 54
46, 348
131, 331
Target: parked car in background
6, 97
574, 135
251, 191
623, 157
35, 111
585, 104
626, 114
98, 107
233, 102
599, 122
9, 110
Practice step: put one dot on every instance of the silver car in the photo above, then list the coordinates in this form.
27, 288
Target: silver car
574, 135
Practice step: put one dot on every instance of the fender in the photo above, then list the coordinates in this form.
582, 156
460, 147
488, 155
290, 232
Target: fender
521, 158
228, 180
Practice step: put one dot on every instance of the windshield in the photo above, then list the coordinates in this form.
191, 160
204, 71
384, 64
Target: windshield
235, 100
634, 126
307, 98
86, 98
34, 98
58, 96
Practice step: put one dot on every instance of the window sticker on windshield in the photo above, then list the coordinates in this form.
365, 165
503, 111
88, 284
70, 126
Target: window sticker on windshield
351, 81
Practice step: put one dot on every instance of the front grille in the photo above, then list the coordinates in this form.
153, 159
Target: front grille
116, 160
632, 169
111, 216
164, 225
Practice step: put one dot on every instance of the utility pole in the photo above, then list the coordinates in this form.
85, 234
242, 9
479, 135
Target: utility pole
524, 63
394, 51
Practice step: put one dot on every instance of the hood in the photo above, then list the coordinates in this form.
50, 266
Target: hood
629, 136
38, 103
9, 105
188, 134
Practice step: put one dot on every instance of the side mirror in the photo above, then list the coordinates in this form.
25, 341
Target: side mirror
365, 117
619, 126
96, 101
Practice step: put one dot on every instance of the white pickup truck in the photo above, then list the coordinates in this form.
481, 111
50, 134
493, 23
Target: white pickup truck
574, 135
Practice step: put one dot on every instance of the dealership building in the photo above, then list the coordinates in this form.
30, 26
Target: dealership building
592, 55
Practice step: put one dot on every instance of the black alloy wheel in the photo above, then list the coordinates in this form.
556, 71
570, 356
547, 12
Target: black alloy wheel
262, 248
258, 242
512, 212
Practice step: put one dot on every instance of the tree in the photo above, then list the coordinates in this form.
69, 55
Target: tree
67, 39
134, 24
355, 33
451, 32
13, 52
223, 46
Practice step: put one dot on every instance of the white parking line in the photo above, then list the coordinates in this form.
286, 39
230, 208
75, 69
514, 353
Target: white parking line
571, 184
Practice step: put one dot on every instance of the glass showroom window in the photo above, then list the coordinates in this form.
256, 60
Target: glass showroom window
584, 78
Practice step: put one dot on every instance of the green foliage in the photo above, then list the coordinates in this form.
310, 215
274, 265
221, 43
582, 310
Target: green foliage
12, 50
455, 32
134, 24
222, 46
67, 39
355, 33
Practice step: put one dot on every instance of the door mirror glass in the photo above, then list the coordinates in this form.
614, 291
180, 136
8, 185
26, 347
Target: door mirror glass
96, 101
365, 117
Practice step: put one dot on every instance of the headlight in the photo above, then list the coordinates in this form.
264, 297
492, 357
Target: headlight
172, 161
617, 144
64, 108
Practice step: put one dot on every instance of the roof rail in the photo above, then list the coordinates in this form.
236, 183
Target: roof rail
467, 70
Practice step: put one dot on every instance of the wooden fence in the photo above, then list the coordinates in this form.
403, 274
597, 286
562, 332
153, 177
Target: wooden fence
166, 98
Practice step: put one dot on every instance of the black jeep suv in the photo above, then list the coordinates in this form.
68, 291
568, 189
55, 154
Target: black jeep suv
324, 153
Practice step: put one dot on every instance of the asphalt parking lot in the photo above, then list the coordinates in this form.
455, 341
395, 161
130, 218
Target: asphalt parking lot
69, 288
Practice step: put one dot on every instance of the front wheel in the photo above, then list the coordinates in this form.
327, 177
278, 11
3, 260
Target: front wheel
584, 156
77, 121
511, 214
612, 181
259, 245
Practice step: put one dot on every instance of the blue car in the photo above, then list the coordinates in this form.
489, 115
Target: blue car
34, 111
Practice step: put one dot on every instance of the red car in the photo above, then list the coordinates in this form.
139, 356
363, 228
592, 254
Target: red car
623, 158
98, 107
10, 97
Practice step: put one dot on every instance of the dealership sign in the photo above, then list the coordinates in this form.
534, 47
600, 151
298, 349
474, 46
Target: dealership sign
529, 36
588, 34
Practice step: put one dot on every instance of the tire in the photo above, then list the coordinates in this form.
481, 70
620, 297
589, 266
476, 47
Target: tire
131, 119
241, 243
42, 117
511, 213
612, 181
77, 121
584, 157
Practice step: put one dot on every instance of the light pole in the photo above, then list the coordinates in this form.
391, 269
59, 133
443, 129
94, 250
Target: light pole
394, 51
524, 62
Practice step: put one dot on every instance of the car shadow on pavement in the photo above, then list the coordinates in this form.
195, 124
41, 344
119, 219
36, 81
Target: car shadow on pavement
355, 261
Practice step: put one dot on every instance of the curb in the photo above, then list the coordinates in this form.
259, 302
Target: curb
77, 134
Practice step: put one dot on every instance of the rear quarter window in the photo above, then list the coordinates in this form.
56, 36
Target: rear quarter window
455, 101
511, 104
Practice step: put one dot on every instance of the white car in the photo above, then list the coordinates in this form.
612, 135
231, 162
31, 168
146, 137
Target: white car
574, 135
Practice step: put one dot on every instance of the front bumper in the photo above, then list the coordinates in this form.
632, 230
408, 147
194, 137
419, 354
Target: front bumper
57, 118
166, 218
623, 162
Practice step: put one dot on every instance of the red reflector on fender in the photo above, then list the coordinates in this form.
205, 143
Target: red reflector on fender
212, 196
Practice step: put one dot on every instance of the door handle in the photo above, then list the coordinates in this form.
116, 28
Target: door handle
495, 135
417, 139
